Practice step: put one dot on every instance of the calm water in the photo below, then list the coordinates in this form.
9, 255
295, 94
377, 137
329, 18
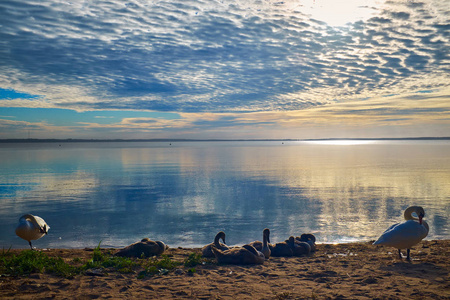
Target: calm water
184, 193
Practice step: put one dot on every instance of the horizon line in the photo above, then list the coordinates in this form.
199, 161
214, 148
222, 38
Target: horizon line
34, 140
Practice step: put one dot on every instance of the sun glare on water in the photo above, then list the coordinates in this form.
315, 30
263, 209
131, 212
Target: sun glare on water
340, 12
342, 142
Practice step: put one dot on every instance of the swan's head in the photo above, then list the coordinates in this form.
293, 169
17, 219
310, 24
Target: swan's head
221, 235
420, 212
44, 229
421, 215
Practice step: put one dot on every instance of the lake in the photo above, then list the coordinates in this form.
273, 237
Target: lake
183, 193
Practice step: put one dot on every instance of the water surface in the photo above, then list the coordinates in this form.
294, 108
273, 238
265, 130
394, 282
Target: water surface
183, 193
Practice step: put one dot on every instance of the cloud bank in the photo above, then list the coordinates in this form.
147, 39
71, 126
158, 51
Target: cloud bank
221, 57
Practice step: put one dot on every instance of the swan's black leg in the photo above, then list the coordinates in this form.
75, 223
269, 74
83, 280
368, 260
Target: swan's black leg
407, 255
30, 245
399, 253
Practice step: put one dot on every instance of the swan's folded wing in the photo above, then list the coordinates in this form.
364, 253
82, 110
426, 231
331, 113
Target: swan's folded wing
403, 235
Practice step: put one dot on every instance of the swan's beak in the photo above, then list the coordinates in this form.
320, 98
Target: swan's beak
420, 218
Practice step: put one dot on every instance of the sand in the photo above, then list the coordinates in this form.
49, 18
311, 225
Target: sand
342, 271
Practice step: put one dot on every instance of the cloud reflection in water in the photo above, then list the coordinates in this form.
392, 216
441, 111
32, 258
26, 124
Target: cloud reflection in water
185, 193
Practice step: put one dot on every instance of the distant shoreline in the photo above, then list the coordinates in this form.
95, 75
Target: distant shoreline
214, 140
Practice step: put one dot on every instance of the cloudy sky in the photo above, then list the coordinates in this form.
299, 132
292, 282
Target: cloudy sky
224, 69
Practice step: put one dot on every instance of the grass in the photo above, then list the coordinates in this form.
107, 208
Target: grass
31, 261
28, 261
193, 260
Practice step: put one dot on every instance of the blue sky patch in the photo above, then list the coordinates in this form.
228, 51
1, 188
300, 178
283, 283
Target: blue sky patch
67, 117
10, 94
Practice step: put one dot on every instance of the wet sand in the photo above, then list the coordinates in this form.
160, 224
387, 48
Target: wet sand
342, 271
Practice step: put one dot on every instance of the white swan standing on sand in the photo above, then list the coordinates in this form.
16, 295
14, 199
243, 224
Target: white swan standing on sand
31, 228
407, 234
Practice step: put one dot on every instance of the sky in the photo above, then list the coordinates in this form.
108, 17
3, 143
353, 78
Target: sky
219, 69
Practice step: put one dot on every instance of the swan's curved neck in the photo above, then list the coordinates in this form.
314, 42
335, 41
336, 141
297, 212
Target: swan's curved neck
409, 213
217, 238
31, 218
414, 209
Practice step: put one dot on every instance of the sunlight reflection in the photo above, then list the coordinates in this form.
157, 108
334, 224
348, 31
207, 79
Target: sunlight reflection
183, 195
342, 142
338, 13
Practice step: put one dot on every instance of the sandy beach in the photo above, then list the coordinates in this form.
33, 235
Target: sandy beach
341, 271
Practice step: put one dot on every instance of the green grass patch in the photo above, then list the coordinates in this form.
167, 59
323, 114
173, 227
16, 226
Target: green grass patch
193, 260
29, 261
106, 260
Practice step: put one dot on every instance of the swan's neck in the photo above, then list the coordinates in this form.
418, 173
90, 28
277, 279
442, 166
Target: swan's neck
216, 240
30, 218
265, 240
414, 209
291, 241
409, 213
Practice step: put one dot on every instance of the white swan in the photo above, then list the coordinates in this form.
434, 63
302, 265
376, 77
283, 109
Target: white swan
31, 228
407, 234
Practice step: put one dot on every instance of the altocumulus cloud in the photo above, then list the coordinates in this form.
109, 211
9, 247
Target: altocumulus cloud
215, 56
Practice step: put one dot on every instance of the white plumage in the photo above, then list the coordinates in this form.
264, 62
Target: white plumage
407, 234
31, 228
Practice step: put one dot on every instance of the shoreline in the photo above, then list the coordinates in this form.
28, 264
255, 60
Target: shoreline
356, 270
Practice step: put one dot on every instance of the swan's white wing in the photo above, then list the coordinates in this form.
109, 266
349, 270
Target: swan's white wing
403, 235
42, 223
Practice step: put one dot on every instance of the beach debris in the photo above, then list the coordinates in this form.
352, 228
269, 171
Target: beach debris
95, 272
144, 248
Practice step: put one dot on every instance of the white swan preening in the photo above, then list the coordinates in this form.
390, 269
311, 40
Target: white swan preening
406, 234
206, 250
31, 228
